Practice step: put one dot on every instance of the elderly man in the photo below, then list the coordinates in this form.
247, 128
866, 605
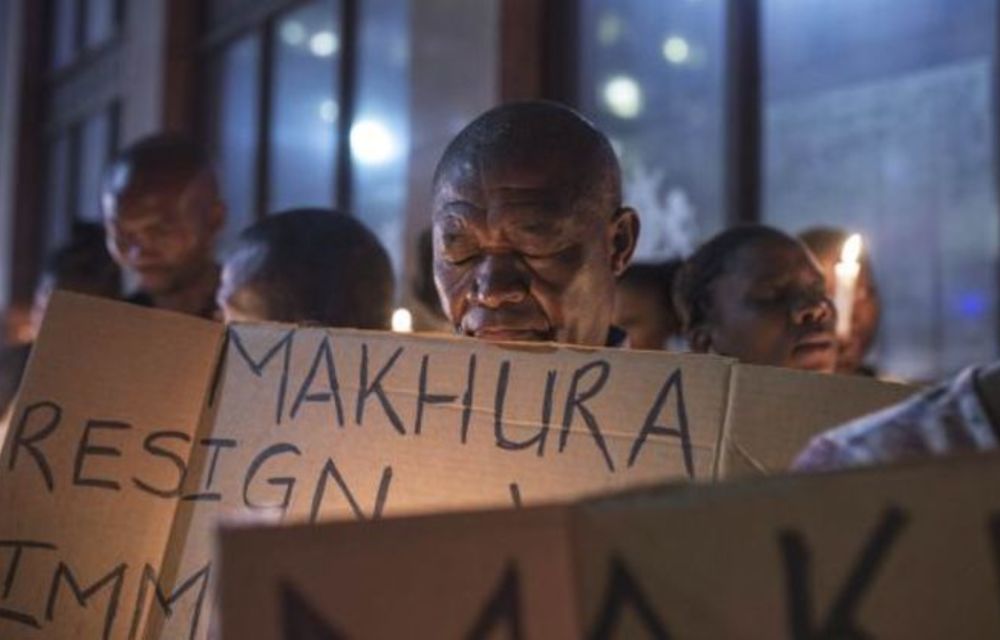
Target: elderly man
529, 229
162, 213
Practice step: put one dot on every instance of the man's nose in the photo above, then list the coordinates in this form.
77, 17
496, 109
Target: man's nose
814, 308
499, 281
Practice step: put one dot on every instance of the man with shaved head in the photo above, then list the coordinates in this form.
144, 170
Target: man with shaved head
162, 213
530, 233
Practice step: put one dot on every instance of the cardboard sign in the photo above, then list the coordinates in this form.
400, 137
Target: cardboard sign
136, 429
907, 552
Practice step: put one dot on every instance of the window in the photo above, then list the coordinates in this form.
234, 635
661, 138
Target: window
879, 119
82, 114
306, 105
650, 76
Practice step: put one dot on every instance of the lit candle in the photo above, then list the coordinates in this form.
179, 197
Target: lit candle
846, 272
402, 321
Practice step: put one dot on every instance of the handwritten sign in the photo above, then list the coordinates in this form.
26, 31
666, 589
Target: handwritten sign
896, 553
136, 430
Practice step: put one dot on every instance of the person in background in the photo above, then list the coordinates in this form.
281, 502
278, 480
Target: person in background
644, 305
959, 415
308, 266
826, 244
428, 316
530, 233
83, 265
162, 214
756, 294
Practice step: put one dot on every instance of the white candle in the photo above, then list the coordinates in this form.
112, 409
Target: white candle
846, 272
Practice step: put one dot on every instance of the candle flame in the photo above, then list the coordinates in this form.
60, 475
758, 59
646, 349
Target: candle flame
402, 320
851, 250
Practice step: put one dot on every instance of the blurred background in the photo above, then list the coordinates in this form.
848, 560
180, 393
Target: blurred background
878, 116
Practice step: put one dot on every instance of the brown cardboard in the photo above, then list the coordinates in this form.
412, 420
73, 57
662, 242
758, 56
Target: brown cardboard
261, 423
905, 552
773, 412
140, 372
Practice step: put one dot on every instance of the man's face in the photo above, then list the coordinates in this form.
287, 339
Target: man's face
162, 230
770, 307
518, 257
864, 315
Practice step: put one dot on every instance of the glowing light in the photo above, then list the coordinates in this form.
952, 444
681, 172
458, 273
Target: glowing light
402, 321
852, 249
372, 142
609, 29
324, 44
676, 50
623, 96
328, 111
293, 33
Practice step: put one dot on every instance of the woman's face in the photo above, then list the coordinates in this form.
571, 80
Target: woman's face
770, 307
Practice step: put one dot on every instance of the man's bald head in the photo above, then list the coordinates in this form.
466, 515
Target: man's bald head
536, 132
162, 212
529, 229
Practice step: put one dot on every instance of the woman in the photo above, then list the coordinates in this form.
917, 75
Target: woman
756, 294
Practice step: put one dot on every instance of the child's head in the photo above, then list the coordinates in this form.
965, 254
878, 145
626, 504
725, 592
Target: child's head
644, 305
308, 266
757, 294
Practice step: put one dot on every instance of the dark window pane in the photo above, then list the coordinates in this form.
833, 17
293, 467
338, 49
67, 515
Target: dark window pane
233, 117
100, 25
379, 134
63, 17
95, 147
651, 78
220, 10
57, 186
879, 119
305, 107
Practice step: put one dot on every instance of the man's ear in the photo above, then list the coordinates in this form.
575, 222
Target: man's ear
217, 218
700, 339
624, 235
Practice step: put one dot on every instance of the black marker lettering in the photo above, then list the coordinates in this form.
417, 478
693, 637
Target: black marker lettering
8, 584
365, 389
575, 400
467, 398
503, 609
287, 482
623, 590
29, 442
86, 449
539, 438
324, 355
515, 495
680, 431
839, 623
424, 398
116, 577
285, 343
166, 602
300, 621
330, 471
217, 445
149, 444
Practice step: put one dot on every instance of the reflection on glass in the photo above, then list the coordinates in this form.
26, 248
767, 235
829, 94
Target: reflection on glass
879, 119
379, 136
232, 124
63, 36
58, 217
95, 147
100, 23
650, 76
305, 111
